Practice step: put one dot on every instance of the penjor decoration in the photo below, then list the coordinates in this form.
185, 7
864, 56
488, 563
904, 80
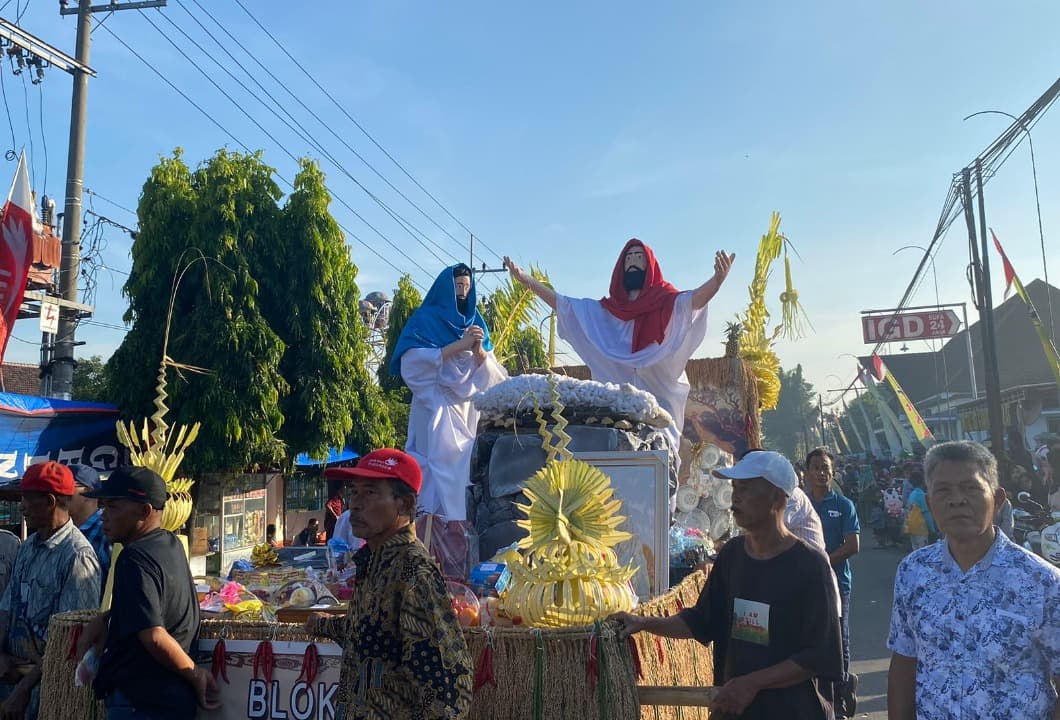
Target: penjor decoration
158, 448
569, 574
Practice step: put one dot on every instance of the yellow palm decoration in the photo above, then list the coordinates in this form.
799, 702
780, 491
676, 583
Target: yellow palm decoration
569, 574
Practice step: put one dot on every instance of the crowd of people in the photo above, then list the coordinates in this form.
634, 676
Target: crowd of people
141, 650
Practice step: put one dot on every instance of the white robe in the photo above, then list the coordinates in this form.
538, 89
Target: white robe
605, 344
443, 422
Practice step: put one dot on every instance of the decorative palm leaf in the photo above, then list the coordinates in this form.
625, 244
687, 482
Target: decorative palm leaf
514, 307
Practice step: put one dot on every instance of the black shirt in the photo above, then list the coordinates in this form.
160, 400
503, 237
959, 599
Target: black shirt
762, 612
152, 588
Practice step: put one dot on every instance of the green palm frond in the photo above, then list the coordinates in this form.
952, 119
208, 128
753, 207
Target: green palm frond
514, 307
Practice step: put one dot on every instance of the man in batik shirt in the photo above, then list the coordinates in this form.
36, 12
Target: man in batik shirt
975, 629
403, 654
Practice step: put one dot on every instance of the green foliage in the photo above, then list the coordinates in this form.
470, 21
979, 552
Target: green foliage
406, 300
90, 381
314, 311
399, 404
271, 314
513, 314
791, 428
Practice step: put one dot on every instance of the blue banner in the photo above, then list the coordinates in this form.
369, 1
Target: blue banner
36, 429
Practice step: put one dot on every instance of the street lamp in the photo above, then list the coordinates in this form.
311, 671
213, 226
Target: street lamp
1037, 203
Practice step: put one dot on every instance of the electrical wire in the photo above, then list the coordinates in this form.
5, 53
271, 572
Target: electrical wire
238, 142
305, 107
360, 127
302, 133
29, 132
277, 142
10, 154
110, 202
43, 134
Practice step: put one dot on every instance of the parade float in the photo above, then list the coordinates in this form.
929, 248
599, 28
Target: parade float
578, 510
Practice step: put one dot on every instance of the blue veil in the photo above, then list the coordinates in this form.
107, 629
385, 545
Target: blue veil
438, 321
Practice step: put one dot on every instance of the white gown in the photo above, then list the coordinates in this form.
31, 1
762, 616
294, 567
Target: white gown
443, 422
605, 344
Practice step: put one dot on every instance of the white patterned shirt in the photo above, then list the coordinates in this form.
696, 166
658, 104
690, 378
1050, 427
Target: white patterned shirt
987, 642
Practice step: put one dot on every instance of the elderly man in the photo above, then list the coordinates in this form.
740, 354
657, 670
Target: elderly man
769, 608
403, 654
975, 629
55, 571
444, 356
643, 332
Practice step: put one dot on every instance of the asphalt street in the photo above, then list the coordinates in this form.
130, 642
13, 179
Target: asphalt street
870, 616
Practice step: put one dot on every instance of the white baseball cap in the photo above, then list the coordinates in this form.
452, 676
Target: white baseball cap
766, 464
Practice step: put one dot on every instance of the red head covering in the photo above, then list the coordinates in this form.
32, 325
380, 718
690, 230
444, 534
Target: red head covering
652, 309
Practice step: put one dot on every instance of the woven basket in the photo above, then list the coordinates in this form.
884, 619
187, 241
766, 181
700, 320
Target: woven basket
59, 699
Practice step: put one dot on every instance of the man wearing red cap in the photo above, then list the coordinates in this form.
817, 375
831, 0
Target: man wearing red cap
643, 332
56, 570
403, 654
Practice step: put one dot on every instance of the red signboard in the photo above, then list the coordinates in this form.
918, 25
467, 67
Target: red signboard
925, 325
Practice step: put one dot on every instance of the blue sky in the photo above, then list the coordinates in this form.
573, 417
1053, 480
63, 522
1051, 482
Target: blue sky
557, 131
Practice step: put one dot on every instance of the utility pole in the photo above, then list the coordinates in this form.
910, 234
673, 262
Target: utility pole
985, 301
820, 410
70, 269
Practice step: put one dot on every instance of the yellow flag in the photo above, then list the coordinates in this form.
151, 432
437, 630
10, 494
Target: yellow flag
920, 428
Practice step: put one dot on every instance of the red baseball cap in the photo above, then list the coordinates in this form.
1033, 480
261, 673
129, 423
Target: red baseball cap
380, 465
48, 477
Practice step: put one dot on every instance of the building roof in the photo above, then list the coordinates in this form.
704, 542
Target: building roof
20, 378
1021, 360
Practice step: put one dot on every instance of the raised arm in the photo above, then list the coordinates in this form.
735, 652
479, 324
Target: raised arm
722, 264
547, 294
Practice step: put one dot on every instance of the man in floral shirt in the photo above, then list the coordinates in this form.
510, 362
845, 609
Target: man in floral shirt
403, 653
975, 630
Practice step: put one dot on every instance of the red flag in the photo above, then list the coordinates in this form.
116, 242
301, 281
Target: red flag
1010, 272
16, 251
879, 369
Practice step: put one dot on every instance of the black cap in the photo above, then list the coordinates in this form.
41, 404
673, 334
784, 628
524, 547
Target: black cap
133, 483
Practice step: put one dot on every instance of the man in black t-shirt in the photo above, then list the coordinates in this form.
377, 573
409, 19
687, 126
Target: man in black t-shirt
768, 607
146, 639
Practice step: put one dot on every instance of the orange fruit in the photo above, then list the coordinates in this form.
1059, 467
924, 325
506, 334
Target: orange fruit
468, 617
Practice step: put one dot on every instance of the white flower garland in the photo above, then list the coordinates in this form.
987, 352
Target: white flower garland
517, 395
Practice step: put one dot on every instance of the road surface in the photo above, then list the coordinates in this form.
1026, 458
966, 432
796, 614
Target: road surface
870, 614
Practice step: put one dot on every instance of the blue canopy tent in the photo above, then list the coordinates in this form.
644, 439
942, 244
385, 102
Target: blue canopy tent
346, 454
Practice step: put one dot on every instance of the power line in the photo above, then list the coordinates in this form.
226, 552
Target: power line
10, 154
110, 202
313, 113
238, 142
43, 134
361, 127
275, 141
301, 131
29, 132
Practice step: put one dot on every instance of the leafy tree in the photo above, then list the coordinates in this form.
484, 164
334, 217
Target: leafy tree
90, 382
314, 311
406, 300
267, 307
791, 428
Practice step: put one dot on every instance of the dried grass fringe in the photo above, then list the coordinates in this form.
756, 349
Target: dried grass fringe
566, 691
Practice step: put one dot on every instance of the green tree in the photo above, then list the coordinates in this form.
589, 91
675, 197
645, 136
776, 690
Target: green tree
791, 428
309, 296
227, 212
90, 381
406, 300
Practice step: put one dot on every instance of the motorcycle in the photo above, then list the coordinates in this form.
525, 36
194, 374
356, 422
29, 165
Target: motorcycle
1036, 528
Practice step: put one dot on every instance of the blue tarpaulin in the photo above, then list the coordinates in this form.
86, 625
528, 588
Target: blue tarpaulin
34, 429
347, 454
